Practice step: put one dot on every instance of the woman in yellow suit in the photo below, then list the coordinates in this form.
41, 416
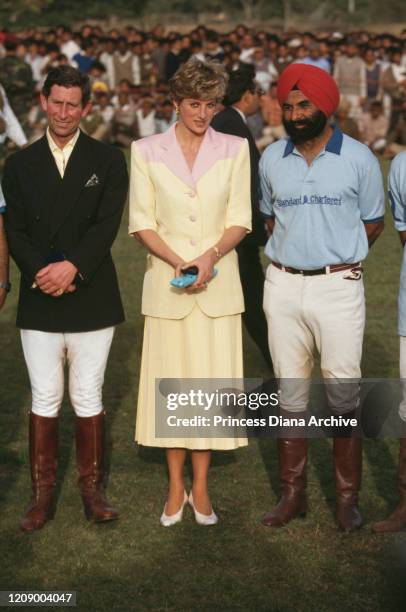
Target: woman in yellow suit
190, 206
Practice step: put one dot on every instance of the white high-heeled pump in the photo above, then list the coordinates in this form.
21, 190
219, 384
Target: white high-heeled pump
168, 520
203, 519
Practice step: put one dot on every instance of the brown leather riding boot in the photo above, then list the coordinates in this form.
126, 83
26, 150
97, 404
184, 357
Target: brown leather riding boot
90, 463
292, 454
348, 465
43, 450
397, 520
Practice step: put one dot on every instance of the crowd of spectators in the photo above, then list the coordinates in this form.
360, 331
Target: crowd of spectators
129, 71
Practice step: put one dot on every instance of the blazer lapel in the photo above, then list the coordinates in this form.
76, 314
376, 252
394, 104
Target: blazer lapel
45, 174
209, 153
80, 167
172, 156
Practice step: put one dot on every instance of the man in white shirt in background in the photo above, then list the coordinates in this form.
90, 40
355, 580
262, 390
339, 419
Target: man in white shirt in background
146, 117
69, 47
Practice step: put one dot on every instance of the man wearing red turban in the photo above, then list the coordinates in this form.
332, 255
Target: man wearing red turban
316, 84
323, 199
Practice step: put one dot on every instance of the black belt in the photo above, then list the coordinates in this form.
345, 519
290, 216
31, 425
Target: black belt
325, 270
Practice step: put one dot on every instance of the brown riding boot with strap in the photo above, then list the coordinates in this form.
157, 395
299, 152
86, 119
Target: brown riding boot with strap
397, 520
348, 465
90, 463
43, 451
292, 453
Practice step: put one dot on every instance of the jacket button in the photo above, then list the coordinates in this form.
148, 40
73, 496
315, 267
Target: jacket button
192, 218
193, 242
37, 218
191, 194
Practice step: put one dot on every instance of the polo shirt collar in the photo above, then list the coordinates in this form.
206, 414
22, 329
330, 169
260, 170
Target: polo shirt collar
333, 145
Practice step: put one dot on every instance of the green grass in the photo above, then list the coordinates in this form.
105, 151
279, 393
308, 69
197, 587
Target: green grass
135, 564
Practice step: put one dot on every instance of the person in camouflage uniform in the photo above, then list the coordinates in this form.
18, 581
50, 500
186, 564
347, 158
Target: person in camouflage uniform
17, 80
10, 129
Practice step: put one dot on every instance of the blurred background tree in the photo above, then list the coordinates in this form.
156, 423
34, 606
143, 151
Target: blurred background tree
22, 13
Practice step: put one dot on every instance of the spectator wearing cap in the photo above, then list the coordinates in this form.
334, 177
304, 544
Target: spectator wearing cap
103, 105
98, 76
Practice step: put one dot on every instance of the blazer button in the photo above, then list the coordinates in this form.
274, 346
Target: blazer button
192, 218
37, 218
191, 194
193, 242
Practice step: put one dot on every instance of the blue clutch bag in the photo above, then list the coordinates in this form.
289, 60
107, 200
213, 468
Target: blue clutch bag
181, 282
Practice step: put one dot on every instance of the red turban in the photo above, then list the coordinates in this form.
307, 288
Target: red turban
315, 83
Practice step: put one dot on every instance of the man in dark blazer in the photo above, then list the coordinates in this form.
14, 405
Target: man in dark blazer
65, 196
242, 100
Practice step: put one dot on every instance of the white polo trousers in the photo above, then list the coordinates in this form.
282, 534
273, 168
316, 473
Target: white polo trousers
402, 371
326, 312
85, 353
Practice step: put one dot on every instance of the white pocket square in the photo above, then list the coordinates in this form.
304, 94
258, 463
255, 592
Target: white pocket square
94, 180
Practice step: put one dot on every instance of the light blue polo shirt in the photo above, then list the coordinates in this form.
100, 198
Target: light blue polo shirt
320, 210
397, 198
2, 202
321, 62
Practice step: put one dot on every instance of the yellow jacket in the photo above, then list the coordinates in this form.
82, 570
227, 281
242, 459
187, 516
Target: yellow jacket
190, 211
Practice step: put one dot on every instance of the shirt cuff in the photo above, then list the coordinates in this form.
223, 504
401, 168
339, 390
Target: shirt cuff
375, 220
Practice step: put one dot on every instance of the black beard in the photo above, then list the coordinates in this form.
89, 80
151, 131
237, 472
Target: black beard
312, 127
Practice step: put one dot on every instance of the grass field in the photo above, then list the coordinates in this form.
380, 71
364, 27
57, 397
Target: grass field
134, 564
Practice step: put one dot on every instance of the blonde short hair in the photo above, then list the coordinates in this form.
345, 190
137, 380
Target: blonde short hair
199, 80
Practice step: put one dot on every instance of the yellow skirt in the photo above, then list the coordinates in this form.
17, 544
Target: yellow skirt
196, 346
